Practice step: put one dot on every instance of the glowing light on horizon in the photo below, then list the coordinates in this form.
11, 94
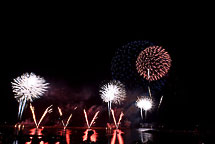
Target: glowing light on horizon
28, 87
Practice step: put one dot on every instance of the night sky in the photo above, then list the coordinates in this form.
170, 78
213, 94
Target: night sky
77, 58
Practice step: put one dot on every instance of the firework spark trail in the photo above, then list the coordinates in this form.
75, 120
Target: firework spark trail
141, 113
68, 120
33, 114
161, 99
61, 114
28, 87
114, 119
120, 118
148, 74
85, 114
48, 110
95, 117
150, 94
93, 120
22, 104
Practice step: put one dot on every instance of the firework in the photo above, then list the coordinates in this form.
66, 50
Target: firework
150, 94
113, 92
61, 114
48, 110
145, 104
161, 99
93, 120
123, 66
28, 87
153, 63
33, 114
67, 122
114, 118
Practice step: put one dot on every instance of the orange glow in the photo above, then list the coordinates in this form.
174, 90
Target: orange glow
119, 137
93, 137
35, 131
113, 140
68, 132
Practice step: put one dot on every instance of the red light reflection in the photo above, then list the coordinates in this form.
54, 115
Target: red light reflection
119, 137
35, 131
93, 137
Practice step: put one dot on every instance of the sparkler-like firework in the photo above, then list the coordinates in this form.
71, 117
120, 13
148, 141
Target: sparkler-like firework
67, 122
93, 120
145, 104
113, 92
114, 118
28, 87
153, 63
48, 110
161, 99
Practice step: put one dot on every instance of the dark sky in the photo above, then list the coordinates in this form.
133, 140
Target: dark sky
79, 55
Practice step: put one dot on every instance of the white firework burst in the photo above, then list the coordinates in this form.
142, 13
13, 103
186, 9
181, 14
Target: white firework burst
144, 103
29, 86
114, 92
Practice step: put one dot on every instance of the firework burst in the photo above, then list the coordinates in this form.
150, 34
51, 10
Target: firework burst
28, 87
145, 104
123, 66
153, 63
113, 92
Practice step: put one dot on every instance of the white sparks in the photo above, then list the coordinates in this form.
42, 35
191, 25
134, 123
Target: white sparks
144, 103
29, 86
113, 91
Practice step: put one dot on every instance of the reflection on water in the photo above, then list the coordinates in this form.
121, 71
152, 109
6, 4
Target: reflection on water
95, 135
90, 135
144, 136
117, 133
38, 136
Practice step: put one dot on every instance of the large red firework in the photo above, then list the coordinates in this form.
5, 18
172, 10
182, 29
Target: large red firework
153, 63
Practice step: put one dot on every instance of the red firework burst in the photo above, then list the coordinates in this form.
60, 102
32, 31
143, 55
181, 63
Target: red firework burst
153, 63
